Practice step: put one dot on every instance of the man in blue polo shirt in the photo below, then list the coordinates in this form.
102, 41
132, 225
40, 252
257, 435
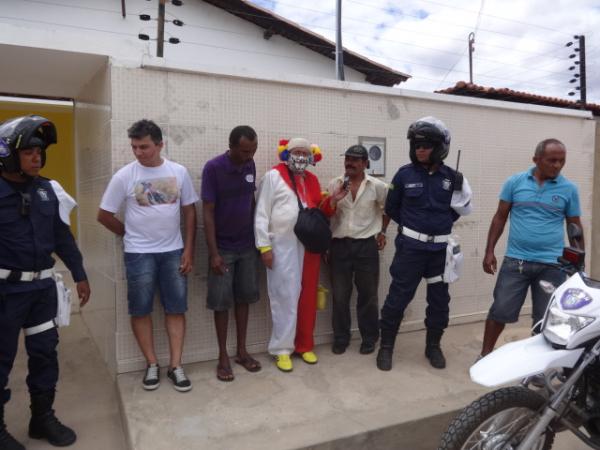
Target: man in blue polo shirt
228, 185
539, 201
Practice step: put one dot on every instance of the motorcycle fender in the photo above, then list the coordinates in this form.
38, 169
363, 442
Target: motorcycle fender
520, 359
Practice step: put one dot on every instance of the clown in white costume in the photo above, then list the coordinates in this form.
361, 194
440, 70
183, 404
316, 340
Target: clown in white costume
292, 272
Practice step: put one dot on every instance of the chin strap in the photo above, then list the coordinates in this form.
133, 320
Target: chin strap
27, 178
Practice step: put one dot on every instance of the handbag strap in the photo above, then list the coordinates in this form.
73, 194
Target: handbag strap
300, 205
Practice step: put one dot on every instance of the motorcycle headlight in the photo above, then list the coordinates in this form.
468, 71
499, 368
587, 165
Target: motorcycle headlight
560, 326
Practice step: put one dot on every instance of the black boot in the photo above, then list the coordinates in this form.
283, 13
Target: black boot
7, 442
386, 349
45, 425
433, 351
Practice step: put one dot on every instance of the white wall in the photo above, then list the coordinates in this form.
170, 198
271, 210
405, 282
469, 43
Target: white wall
94, 170
197, 111
210, 37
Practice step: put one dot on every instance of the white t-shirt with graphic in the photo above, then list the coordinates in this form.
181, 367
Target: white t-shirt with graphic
152, 198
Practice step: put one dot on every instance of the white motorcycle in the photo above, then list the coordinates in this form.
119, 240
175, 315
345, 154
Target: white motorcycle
559, 369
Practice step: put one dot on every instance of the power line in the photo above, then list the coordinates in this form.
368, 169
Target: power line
88, 8
46, 2
416, 78
445, 23
491, 15
364, 51
363, 21
229, 48
308, 26
465, 49
248, 51
20, 19
220, 47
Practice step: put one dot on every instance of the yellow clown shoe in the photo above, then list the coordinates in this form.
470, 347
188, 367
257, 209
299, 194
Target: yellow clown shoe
310, 357
283, 363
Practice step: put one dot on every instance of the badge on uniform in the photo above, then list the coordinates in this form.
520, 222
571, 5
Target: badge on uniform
446, 184
43, 194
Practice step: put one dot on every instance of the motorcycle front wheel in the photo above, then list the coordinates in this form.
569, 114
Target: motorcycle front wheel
497, 421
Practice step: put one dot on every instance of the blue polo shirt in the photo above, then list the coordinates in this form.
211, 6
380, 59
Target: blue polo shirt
537, 215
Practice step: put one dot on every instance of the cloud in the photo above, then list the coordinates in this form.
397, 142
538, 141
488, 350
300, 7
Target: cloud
520, 45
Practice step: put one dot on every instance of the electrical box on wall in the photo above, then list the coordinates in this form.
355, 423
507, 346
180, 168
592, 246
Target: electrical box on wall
376, 149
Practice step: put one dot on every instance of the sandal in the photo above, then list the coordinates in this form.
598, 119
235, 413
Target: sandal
248, 363
224, 374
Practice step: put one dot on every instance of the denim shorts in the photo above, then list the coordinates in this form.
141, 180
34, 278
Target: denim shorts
147, 271
239, 284
516, 276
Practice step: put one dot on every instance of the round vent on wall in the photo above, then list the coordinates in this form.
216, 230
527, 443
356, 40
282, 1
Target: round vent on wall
375, 153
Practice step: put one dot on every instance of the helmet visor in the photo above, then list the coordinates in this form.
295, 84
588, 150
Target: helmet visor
423, 143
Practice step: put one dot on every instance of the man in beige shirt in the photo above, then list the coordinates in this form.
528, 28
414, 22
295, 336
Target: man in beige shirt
358, 228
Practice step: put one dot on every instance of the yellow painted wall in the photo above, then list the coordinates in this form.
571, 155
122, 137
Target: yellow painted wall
60, 161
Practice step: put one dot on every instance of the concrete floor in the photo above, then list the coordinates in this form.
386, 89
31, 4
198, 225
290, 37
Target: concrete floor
86, 398
343, 402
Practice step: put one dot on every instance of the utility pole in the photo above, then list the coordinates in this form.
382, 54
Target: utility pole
160, 38
471, 50
339, 50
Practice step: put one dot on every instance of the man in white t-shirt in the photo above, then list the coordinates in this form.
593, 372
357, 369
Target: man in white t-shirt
153, 191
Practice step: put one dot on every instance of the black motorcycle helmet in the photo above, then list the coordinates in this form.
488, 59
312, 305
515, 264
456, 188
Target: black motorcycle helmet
24, 132
431, 130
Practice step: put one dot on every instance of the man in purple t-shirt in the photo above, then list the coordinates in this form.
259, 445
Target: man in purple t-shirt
228, 185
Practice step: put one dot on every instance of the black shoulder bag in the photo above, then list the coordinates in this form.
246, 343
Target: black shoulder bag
312, 226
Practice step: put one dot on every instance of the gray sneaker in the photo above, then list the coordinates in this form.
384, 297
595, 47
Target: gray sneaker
180, 381
152, 377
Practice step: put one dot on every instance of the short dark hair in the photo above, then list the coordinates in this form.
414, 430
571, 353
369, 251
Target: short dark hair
143, 128
539, 149
239, 132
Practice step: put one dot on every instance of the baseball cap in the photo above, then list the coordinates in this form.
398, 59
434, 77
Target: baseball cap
357, 151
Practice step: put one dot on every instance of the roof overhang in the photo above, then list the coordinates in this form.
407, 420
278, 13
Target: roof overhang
273, 24
39, 72
473, 90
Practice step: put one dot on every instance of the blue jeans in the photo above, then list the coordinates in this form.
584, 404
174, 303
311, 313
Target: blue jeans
146, 271
516, 276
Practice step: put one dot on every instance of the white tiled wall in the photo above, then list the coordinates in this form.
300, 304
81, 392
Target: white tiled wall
94, 169
197, 112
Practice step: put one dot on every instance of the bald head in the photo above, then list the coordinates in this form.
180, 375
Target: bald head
543, 145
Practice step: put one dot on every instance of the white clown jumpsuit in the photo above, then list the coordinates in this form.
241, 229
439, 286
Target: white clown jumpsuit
276, 215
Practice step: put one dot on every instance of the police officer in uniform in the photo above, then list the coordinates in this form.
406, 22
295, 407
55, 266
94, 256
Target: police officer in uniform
419, 200
30, 231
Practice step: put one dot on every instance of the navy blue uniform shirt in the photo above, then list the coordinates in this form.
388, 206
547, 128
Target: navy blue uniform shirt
420, 200
27, 241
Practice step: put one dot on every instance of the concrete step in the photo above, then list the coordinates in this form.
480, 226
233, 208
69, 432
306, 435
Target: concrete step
344, 401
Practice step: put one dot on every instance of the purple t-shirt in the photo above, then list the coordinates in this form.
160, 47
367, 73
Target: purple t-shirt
231, 188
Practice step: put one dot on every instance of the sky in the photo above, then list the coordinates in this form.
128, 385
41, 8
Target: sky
519, 44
